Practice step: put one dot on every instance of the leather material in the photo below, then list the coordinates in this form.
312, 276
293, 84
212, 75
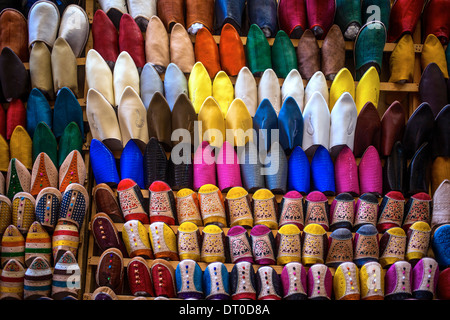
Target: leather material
114, 9
163, 240
105, 233
264, 15
102, 119
419, 172
268, 284
439, 244
343, 124
199, 85
44, 141
239, 120
132, 204
4, 154
110, 271
106, 202
231, 50
370, 172
418, 241
71, 170
343, 82
404, 18
206, 51
163, 273
139, 278
258, 51
365, 55
142, 11
76, 36
199, 14
13, 76
314, 245
316, 119
157, 50
204, 166
155, 163
211, 117
189, 240
265, 253
131, 164
440, 203
228, 169
229, 11
183, 117
239, 213
14, 32
432, 88
348, 17
293, 87
292, 17
425, 269
340, 251
219, 290
391, 213
15, 116
64, 66
264, 121
99, 76
346, 172
284, 58
66, 238
269, 88
105, 38
299, 173
251, 166
395, 174
23, 214
402, 59
392, 251
171, 12
290, 124
321, 290
13, 271
125, 75
132, 118
291, 210
39, 28
21, 147
366, 211
419, 129
181, 48
308, 55
213, 245
223, 91
417, 209
276, 180
320, 16
392, 127
347, 271
435, 22
440, 136
74, 204
61, 277
366, 246
48, 203
188, 275
317, 83
66, 109
368, 129
333, 52
131, 40
433, 51
245, 89
368, 89
322, 172
187, 199
175, 83
103, 164
159, 120
41, 69
150, 83
212, 210
18, 178
242, 288
440, 170
38, 245
181, 174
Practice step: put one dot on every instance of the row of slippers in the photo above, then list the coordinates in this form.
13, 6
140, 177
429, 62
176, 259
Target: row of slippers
260, 245
189, 281
39, 281
244, 167
237, 207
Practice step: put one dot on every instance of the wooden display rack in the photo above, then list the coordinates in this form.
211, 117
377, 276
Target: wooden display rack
406, 93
